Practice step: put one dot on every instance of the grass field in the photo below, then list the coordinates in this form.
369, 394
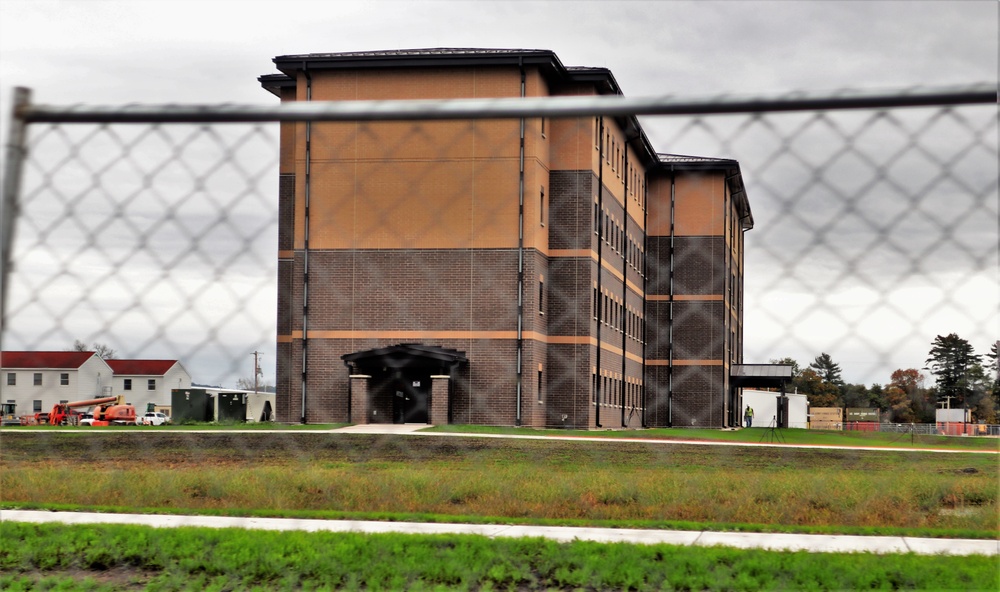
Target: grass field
633, 484
751, 436
112, 557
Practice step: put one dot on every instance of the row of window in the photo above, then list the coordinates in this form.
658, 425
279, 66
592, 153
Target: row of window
611, 312
619, 240
64, 380
609, 392
36, 379
614, 152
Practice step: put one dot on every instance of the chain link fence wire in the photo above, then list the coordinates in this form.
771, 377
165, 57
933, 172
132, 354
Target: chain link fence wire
153, 229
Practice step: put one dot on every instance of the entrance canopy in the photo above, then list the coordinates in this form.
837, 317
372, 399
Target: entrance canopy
406, 355
760, 376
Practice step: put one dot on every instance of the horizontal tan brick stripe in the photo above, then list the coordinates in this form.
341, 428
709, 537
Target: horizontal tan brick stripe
570, 253
684, 362
686, 297
417, 335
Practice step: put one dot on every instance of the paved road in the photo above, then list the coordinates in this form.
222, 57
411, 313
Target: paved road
783, 542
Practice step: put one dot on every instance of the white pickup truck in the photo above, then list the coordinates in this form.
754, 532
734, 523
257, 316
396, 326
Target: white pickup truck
152, 418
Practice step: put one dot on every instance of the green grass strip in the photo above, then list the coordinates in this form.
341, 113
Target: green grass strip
93, 557
749, 436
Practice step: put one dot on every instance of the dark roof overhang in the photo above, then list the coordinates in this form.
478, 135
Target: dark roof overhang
405, 355
759, 375
728, 166
274, 83
439, 57
557, 74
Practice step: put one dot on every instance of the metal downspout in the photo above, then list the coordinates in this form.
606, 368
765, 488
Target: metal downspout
670, 314
305, 249
624, 254
727, 360
520, 261
645, 311
600, 263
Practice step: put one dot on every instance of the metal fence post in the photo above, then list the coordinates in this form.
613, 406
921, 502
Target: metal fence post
13, 163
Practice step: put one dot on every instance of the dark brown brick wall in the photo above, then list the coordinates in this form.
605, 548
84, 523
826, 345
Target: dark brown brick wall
569, 388
698, 396
571, 209
699, 265
657, 396
286, 281
570, 287
284, 410
698, 330
286, 211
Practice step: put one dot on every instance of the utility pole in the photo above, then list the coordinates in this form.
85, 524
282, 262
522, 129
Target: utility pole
256, 369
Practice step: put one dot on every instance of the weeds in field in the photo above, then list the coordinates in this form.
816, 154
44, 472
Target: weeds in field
523, 480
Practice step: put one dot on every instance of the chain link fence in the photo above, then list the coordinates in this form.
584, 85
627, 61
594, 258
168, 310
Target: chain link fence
153, 230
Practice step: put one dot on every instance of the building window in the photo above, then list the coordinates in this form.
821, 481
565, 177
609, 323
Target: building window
541, 207
539, 386
543, 127
541, 296
11, 379
36, 405
64, 379
151, 384
38, 379
128, 384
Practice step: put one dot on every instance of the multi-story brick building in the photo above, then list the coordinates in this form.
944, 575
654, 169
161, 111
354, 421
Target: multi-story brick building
542, 272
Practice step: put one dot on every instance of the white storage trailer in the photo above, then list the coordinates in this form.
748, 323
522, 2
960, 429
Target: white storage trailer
765, 409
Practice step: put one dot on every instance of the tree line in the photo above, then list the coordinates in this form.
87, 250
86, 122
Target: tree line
962, 379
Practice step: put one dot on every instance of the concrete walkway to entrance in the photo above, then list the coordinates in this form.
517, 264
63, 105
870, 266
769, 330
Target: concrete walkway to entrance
382, 428
415, 429
743, 540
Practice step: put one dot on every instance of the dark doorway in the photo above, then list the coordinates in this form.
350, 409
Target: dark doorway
400, 379
411, 395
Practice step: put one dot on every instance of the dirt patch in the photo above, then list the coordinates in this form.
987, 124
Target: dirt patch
120, 578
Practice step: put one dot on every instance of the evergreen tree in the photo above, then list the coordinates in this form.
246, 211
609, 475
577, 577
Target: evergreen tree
950, 360
827, 369
993, 368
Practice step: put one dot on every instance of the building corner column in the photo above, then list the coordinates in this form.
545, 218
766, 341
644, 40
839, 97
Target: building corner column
440, 389
360, 401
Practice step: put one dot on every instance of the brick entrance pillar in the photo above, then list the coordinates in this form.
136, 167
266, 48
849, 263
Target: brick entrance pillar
438, 413
360, 401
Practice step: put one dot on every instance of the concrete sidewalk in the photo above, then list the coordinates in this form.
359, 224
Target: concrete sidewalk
417, 429
814, 543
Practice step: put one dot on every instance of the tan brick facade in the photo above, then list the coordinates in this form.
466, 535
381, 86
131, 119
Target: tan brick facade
620, 269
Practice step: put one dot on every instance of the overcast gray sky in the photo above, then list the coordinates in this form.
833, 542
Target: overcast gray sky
209, 51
